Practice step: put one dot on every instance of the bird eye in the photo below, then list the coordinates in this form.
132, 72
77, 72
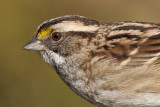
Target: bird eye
56, 36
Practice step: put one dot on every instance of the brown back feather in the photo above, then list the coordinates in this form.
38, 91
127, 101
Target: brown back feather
134, 44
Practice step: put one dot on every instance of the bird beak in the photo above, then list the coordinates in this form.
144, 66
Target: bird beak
34, 44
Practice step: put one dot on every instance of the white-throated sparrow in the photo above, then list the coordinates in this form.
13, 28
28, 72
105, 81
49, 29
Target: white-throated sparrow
109, 64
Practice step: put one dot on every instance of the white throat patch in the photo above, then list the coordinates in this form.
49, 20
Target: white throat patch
58, 59
50, 56
66, 26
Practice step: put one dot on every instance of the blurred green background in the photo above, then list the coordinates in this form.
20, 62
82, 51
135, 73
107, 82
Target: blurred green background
25, 79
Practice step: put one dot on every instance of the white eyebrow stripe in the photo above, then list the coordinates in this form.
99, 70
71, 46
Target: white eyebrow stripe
67, 26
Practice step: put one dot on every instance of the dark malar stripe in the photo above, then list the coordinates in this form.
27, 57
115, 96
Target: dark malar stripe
125, 35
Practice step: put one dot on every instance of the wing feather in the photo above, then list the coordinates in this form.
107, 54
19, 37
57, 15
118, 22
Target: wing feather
134, 49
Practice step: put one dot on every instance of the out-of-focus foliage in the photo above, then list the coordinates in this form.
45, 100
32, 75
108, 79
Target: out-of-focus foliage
25, 79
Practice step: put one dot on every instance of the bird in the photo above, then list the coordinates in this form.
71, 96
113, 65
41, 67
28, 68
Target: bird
115, 64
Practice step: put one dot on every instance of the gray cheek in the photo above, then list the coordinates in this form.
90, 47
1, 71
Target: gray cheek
50, 44
68, 46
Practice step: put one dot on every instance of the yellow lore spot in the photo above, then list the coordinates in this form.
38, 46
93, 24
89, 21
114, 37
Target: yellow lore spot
44, 32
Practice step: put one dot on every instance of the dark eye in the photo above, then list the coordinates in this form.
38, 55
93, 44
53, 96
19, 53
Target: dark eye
56, 36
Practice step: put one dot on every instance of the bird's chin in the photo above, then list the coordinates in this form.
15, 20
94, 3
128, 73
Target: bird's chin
45, 56
52, 58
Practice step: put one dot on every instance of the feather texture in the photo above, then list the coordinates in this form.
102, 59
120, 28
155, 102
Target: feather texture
134, 44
